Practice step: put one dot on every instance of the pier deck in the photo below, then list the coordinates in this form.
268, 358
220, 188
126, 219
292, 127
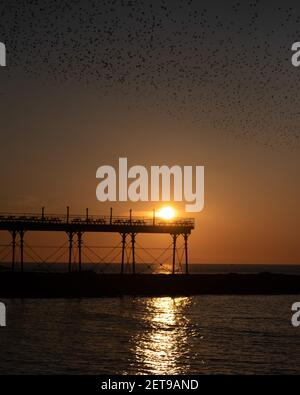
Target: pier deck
77, 225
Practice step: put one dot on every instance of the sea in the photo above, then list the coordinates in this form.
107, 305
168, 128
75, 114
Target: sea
148, 268
153, 335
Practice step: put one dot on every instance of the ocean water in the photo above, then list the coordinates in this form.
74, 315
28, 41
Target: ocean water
148, 268
151, 335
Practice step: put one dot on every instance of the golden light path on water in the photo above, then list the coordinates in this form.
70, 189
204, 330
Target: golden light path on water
162, 345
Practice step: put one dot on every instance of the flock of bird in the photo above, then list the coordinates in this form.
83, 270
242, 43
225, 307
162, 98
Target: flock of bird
223, 63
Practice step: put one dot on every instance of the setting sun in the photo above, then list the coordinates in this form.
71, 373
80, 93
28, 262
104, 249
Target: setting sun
166, 213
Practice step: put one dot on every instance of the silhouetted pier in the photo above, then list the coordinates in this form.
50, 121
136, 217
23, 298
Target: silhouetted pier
76, 225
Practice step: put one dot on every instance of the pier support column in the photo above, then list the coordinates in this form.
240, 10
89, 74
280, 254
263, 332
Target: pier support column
21, 233
68, 214
133, 252
79, 244
185, 236
174, 236
70, 237
13, 244
123, 251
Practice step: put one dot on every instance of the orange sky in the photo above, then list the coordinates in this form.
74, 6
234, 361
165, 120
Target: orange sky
252, 194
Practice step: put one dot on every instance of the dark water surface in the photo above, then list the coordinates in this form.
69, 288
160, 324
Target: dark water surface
132, 335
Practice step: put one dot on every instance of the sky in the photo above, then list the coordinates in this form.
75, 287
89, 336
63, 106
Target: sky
167, 82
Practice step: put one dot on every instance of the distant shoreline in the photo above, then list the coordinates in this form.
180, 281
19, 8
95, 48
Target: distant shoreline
88, 284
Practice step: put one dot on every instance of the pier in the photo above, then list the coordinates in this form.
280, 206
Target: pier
75, 226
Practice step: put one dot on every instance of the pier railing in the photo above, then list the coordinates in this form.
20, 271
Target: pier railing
76, 225
94, 219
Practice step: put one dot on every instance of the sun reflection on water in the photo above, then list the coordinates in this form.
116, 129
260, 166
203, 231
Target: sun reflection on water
162, 344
